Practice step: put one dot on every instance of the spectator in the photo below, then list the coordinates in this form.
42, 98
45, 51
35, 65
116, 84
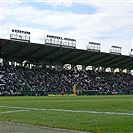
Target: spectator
16, 80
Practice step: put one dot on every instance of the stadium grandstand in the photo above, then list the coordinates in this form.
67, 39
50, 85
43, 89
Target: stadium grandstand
57, 65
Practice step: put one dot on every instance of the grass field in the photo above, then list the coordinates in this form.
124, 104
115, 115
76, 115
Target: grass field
99, 114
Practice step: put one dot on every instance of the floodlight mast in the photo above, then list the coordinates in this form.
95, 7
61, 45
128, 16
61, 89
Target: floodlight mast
92, 46
115, 50
19, 35
60, 41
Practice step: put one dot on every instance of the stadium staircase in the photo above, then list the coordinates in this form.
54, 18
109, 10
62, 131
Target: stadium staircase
19, 73
29, 91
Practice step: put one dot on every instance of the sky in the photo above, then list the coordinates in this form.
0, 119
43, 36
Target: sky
109, 22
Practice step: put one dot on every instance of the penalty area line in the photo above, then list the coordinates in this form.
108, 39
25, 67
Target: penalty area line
62, 110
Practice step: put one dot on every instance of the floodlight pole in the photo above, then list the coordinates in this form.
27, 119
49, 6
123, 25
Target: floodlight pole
19, 35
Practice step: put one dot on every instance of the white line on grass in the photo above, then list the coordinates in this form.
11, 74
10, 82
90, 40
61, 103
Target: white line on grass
73, 111
13, 111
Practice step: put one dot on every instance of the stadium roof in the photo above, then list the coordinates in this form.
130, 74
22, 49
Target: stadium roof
58, 55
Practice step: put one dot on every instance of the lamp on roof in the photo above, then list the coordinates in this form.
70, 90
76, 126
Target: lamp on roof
20, 35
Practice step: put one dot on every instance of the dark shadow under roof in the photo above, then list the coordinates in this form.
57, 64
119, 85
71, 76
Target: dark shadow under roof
59, 55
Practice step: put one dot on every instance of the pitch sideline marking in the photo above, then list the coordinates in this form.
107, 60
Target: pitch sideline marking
62, 110
5, 112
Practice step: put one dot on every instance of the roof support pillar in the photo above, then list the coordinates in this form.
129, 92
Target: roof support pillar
83, 67
21, 64
128, 71
72, 66
103, 69
112, 70
120, 70
93, 68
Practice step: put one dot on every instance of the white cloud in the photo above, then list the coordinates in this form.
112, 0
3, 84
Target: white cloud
110, 24
64, 3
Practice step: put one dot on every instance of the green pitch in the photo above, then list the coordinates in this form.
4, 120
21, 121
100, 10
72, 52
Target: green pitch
99, 114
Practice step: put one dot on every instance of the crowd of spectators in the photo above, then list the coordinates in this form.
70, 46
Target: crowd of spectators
49, 80
10, 81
